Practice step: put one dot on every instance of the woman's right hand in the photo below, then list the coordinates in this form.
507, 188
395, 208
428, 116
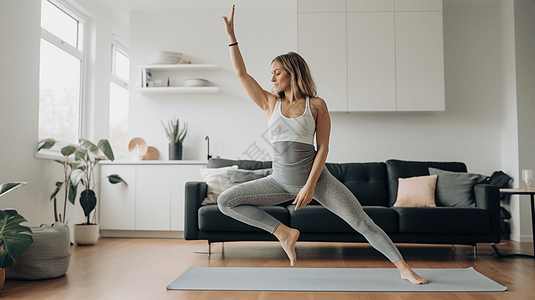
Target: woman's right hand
229, 22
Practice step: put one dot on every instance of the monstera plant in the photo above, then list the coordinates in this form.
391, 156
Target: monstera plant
15, 239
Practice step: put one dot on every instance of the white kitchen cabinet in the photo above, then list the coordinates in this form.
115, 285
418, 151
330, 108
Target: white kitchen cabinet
419, 61
152, 201
387, 54
370, 5
322, 43
118, 201
322, 6
371, 62
418, 5
153, 197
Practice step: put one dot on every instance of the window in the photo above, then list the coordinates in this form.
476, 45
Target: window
119, 100
60, 74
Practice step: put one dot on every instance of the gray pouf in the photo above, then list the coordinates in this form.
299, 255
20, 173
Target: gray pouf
48, 257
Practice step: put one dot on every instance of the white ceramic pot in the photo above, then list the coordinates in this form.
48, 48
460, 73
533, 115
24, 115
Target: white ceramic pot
86, 234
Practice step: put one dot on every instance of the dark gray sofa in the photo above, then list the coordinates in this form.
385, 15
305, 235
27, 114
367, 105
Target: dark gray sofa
375, 185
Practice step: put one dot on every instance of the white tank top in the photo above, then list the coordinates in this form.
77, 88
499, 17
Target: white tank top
300, 129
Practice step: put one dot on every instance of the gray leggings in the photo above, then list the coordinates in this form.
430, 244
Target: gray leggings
241, 203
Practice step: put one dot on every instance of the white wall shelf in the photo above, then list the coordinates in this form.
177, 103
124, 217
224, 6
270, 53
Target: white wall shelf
179, 67
145, 69
178, 89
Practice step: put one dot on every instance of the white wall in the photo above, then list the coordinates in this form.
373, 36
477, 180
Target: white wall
230, 118
466, 132
525, 77
19, 83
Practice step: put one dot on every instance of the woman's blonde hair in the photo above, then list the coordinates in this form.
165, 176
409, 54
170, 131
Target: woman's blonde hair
301, 83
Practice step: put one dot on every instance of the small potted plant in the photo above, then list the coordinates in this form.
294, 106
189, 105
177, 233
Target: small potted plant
81, 171
89, 155
176, 136
15, 239
68, 167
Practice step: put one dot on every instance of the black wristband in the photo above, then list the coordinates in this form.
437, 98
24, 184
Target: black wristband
233, 44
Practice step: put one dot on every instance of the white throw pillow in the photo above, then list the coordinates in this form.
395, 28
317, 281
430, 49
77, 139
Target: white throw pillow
218, 181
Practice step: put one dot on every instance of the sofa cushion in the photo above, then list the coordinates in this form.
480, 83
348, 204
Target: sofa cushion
316, 218
456, 189
443, 220
416, 191
217, 180
367, 181
240, 176
405, 169
211, 219
242, 163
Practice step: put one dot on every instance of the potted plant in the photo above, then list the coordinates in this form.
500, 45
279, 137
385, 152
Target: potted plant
81, 171
175, 136
89, 155
15, 239
68, 167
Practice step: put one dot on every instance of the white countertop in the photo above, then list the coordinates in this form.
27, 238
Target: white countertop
154, 162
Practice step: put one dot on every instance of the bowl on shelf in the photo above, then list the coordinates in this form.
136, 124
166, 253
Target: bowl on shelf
195, 82
164, 57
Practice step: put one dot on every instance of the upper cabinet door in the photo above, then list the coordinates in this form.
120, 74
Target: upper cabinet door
419, 61
322, 43
371, 62
418, 5
308, 6
370, 5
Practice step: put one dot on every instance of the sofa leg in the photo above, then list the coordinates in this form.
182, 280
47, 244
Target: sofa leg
209, 253
475, 250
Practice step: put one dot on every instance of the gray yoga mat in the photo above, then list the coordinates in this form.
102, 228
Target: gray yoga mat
331, 280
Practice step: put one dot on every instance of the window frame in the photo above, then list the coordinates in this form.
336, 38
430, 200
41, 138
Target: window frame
80, 52
118, 46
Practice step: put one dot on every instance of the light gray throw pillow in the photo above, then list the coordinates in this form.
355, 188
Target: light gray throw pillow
239, 175
455, 189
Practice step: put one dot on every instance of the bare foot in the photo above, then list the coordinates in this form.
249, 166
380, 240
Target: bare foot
288, 237
408, 274
413, 277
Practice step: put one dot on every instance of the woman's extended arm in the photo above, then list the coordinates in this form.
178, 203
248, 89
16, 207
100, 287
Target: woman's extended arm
323, 131
253, 89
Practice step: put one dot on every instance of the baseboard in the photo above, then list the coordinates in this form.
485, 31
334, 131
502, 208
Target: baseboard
522, 238
142, 234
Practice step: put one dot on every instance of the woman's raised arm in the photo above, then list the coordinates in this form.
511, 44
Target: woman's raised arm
253, 89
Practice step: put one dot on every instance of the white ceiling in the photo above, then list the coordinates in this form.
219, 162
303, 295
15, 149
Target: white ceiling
122, 8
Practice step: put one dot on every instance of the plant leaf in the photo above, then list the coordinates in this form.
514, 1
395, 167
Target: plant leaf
80, 154
105, 146
59, 184
88, 201
114, 179
62, 162
68, 150
16, 238
46, 144
88, 145
10, 186
76, 176
74, 165
73, 189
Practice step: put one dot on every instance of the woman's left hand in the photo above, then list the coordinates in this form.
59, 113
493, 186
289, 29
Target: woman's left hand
304, 197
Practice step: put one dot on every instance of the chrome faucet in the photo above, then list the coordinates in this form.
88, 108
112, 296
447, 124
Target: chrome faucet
208, 152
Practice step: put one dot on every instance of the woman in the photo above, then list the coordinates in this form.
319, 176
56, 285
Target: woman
294, 115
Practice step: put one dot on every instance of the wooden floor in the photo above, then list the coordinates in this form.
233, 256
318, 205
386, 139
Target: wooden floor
141, 269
